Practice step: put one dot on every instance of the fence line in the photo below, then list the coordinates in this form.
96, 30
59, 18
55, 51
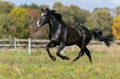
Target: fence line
37, 43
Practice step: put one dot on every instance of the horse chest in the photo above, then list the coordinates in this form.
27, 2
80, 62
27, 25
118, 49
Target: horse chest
55, 36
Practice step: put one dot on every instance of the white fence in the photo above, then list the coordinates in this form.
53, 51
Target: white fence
37, 43
29, 43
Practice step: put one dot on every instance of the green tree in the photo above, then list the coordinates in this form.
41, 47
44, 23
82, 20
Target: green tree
31, 6
57, 5
103, 18
20, 27
24, 6
5, 26
6, 7
90, 22
43, 6
72, 15
32, 13
117, 10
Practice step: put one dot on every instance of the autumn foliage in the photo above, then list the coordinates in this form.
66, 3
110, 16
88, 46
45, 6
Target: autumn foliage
116, 27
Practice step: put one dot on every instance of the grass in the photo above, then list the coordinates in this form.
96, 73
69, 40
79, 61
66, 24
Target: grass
16, 64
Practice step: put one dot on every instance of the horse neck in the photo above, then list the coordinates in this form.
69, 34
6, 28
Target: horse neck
54, 24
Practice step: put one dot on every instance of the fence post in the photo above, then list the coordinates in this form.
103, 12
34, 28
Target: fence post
102, 44
14, 42
29, 45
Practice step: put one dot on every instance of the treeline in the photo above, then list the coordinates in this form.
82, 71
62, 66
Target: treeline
21, 21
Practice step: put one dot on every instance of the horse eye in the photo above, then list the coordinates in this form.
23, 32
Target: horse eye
46, 14
42, 18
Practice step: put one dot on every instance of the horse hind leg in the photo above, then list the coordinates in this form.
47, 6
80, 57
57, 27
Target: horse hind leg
88, 54
81, 53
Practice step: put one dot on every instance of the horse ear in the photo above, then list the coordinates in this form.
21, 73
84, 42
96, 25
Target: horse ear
42, 10
47, 9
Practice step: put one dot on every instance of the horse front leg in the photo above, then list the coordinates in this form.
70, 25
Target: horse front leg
60, 48
48, 51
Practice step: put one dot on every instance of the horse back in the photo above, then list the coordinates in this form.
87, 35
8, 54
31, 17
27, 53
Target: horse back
85, 32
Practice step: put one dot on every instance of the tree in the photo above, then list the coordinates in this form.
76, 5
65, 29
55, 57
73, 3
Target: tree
24, 6
116, 27
5, 26
32, 13
43, 7
31, 6
57, 5
72, 15
103, 18
20, 27
6, 7
118, 10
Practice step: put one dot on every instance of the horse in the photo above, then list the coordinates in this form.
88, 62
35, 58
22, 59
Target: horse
62, 35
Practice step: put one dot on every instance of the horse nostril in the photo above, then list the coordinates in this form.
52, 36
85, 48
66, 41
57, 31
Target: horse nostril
38, 23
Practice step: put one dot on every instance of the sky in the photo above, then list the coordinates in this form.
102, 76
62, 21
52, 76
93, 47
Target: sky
84, 4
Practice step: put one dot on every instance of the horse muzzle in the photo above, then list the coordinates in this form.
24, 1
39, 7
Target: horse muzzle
38, 23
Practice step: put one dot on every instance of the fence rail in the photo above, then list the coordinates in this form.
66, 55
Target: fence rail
38, 43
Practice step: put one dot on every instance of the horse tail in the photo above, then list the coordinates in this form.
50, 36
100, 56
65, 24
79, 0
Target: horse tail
97, 34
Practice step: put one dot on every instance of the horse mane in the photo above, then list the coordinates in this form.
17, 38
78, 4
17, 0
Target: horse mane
58, 16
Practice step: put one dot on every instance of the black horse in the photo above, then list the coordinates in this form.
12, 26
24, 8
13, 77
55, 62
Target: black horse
62, 35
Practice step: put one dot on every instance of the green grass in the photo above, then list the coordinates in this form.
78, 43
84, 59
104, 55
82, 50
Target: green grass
18, 64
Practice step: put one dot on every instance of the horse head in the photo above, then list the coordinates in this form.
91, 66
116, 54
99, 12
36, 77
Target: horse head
43, 17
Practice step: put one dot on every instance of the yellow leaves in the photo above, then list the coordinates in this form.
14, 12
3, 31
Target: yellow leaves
116, 27
17, 12
20, 23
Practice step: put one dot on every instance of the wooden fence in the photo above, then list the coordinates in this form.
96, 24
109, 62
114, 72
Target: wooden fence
37, 43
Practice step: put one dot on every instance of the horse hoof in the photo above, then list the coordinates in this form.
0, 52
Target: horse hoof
66, 58
74, 60
53, 58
